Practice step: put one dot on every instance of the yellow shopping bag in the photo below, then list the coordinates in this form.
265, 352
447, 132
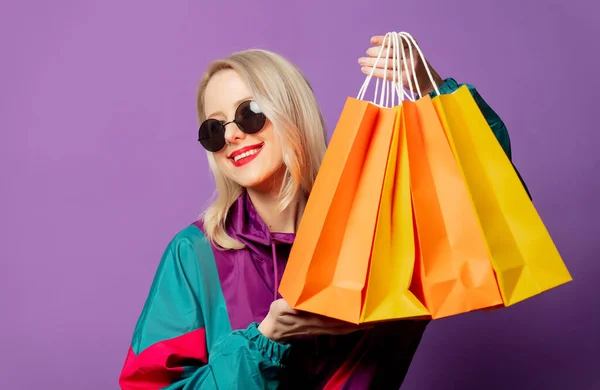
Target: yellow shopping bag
387, 293
523, 255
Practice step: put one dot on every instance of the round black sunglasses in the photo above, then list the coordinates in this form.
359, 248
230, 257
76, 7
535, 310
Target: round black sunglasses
248, 117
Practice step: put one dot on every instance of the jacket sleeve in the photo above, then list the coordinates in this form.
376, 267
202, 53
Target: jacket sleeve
169, 349
494, 121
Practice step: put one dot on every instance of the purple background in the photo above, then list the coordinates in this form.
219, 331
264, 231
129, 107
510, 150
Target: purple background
99, 167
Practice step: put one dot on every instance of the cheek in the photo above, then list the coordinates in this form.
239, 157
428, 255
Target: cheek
276, 156
275, 152
220, 158
222, 163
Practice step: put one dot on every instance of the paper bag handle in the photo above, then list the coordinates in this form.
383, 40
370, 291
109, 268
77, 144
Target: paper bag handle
411, 42
390, 42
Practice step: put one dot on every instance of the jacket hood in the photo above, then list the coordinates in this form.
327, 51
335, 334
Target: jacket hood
244, 224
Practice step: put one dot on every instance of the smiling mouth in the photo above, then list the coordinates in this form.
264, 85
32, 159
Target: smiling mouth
245, 155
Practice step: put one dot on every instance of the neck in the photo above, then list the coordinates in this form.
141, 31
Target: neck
266, 204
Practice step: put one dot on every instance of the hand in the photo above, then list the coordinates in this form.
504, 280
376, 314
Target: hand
283, 322
422, 76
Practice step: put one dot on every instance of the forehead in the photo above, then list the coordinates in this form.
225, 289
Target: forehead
223, 93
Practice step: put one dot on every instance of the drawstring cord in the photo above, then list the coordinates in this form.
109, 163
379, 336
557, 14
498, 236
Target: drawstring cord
275, 270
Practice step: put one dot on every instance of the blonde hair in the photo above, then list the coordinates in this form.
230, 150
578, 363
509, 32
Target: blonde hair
287, 99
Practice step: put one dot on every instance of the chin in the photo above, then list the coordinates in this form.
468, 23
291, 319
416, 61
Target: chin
263, 180
254, 182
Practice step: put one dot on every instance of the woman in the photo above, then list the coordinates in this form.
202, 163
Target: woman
213, 318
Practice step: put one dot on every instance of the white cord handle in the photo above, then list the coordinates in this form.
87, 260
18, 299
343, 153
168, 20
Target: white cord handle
411, 42
363, 89
397, 69
394, 62
395, 42
402, 60
398, 59
386, 87
390, 41
396, 72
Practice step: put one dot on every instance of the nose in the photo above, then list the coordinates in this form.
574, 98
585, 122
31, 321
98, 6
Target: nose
233, 134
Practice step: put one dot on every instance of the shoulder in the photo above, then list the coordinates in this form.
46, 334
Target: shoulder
188, 252
191, 233
186, 269
191, 237
193, 272
180, 296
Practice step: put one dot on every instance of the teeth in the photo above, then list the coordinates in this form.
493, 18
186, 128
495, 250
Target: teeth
246, 154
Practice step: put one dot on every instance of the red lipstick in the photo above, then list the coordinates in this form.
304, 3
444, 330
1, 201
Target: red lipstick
251, 152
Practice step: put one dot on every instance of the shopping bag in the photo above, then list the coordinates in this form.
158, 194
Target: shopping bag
328, 263
524, 257
387, 294
453, 272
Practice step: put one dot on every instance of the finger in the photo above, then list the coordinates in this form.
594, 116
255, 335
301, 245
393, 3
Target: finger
379, 40
315, 320
280, 307
290, 320
320, 321
374, 52
373, 62
380, 73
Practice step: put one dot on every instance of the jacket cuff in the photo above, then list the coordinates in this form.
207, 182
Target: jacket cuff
270, 349
450, 85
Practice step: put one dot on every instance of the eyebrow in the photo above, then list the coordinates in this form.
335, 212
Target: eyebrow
236, 104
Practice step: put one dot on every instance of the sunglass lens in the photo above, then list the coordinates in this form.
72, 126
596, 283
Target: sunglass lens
250, 117
212, 135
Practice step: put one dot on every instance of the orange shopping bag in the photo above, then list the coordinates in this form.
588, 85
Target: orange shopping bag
328, 264
453, 272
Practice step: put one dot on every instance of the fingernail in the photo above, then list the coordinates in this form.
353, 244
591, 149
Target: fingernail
362, 60
373, 40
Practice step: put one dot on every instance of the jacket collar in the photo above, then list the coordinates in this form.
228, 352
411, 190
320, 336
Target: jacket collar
247, 226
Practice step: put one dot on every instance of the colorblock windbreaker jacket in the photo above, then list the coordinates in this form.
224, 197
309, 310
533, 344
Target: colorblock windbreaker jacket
198, 327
